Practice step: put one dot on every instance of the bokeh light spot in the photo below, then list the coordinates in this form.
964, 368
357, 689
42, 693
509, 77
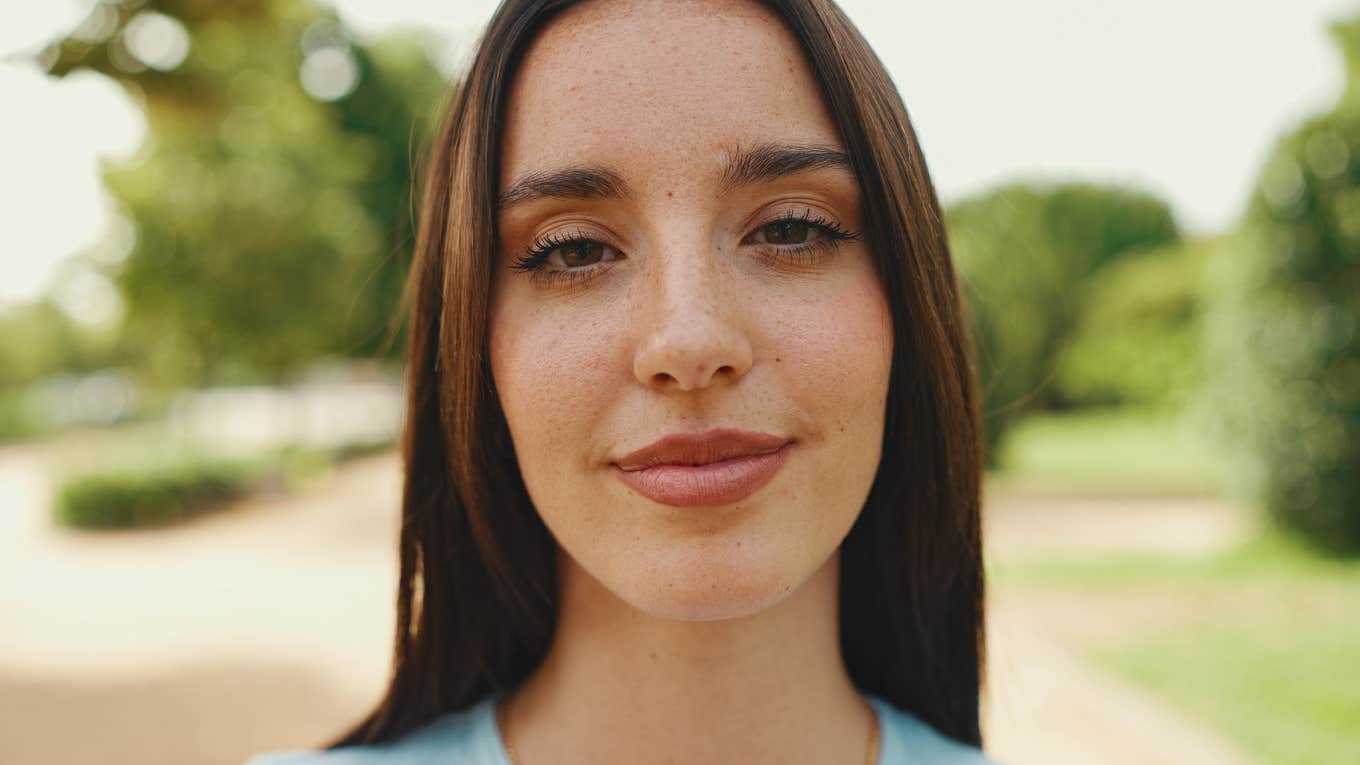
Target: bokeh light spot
157, 40
330, 74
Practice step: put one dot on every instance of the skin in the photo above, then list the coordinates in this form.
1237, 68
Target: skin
697, 635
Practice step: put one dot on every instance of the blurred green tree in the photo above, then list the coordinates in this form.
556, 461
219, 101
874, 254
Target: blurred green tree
39, 340
1282, 328
1139, 335
48, 342
271, 198
1026, 254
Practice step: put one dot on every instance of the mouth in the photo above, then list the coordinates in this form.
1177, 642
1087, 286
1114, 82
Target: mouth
715, 467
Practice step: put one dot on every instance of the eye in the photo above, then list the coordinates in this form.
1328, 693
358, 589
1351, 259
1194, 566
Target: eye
573, 257
575, 251
787, 231
792, 232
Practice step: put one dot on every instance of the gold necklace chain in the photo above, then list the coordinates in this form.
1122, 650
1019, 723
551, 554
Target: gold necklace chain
872, 746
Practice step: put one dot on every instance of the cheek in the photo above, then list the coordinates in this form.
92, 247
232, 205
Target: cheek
553, 373
835, 361
834, 352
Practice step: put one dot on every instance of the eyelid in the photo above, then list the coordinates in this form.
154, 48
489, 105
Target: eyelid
569, 234
555, 239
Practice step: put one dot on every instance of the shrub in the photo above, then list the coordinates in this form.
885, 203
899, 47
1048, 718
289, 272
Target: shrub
1284, 329
158, 495
148, 497
1138, 339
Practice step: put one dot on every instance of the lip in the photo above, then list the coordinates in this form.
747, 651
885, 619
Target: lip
717, 467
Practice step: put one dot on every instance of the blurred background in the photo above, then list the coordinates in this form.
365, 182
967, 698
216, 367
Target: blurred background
206, 222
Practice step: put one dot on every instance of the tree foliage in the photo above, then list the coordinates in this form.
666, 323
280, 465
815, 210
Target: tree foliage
272, 219
1284, 337
1026, 255
47, 342
1139, 335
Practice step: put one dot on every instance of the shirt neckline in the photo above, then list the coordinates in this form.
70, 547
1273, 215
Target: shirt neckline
501, 753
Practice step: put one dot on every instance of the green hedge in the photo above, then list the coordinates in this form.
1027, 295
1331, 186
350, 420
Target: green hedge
164, 494
151, 497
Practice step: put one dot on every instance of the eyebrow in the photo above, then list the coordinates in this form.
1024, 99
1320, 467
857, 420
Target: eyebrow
762, 163
770, 161
568, 183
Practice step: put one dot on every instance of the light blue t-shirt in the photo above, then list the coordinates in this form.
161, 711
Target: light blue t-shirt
472, 737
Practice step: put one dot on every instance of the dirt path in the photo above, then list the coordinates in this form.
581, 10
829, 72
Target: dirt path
263, 626
1047, 706
267, 626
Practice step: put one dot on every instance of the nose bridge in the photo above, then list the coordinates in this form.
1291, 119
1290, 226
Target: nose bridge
690, 319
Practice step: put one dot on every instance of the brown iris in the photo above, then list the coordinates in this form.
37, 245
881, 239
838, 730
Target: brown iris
787, 232
578, 254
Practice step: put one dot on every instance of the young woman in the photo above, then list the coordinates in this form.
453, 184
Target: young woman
692, 450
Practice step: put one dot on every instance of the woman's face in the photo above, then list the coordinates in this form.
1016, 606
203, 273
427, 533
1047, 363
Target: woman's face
679, 254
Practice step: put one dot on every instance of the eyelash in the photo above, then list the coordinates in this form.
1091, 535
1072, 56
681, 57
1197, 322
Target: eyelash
832, 234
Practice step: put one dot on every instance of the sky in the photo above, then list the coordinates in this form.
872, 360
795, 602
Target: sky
1182, 98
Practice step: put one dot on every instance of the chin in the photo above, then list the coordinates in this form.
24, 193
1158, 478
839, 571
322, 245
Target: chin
704, 606
707, 585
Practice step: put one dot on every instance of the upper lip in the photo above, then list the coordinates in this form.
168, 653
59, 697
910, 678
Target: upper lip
701, 448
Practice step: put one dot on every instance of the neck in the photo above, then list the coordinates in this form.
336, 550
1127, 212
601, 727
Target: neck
620, 686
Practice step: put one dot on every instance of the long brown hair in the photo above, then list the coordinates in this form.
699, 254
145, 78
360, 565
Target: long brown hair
477, 598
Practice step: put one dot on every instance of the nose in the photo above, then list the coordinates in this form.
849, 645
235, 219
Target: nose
691, 322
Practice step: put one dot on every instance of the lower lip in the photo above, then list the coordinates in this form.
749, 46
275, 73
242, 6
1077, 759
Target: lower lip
717, 483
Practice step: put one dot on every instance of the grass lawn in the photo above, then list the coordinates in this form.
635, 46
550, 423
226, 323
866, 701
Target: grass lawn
1121, 451
1266, 650
1289, 695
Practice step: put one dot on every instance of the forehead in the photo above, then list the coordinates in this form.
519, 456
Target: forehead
662, 90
